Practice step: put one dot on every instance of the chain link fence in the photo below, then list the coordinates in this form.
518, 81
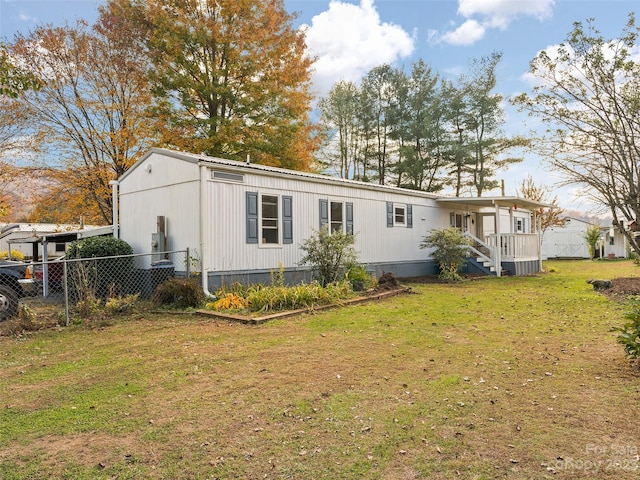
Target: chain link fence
63, 290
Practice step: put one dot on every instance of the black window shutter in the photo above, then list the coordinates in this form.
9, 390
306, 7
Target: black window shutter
324, 213
287, 219
389, 214
252, 217
349, 217
409, 216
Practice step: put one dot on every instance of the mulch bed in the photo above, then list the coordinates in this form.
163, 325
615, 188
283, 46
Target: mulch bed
436, 279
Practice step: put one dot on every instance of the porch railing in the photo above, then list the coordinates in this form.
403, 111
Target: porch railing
482, 252
515, 246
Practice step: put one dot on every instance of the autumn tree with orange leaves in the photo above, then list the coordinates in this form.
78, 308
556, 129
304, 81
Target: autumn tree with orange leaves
231, 76
90, 115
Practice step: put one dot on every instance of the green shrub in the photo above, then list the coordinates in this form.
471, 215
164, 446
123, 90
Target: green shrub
121, 305
98, 247
358, 276
95, 276
592, 237
451, 247
88, 306
329, 253
629, 334
179, 293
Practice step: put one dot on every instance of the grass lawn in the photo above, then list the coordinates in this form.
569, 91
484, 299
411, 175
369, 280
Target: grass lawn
515, 378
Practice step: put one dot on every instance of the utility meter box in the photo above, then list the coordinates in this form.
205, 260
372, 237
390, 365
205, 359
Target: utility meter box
157, 242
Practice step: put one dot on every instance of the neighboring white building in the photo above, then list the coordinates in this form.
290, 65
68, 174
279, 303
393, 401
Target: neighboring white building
568, 241
27, 237
614, 243
243, 221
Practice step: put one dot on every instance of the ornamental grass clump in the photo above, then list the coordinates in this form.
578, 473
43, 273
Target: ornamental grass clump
265, 298
274, 297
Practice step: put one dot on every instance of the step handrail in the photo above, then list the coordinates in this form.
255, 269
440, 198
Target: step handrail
478, 253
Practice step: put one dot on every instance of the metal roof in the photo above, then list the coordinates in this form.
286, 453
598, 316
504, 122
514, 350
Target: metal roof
316, 177
64, 237
504, 202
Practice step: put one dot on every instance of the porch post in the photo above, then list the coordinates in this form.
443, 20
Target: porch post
511, 224
498, 243
539, 232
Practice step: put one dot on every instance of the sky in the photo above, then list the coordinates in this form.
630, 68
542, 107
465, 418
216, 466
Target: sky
350, 37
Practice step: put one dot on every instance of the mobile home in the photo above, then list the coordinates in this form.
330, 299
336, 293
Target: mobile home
242, 221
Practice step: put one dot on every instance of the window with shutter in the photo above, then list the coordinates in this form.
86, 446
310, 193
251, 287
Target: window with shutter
252, 217
324, 212
287, 219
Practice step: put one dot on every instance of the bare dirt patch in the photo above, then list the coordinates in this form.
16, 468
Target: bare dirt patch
622, 288
89, 450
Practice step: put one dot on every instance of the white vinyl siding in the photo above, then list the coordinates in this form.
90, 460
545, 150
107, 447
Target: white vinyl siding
172, 190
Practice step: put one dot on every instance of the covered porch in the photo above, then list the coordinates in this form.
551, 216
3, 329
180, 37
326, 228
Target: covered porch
505, 232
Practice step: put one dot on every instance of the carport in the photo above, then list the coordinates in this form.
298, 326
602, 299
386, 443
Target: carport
59, 237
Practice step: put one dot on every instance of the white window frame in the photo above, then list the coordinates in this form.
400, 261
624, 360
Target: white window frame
453, 220
342, 216
278, 220
397, 207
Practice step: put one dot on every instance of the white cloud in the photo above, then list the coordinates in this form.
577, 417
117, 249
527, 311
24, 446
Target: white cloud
492, 14
466, 34
500, 13
23, 17
572, 67
348, 40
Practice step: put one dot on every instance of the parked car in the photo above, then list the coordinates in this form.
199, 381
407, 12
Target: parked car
15, 280
55, 271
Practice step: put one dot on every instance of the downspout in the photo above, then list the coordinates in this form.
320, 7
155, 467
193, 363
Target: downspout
498, 259
114, 203
204, 224
539, 232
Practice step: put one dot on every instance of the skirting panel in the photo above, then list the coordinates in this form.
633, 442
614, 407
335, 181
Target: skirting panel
295, 276
527, 267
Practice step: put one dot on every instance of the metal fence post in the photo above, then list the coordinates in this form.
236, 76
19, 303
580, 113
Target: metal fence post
65, 285
188, 262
